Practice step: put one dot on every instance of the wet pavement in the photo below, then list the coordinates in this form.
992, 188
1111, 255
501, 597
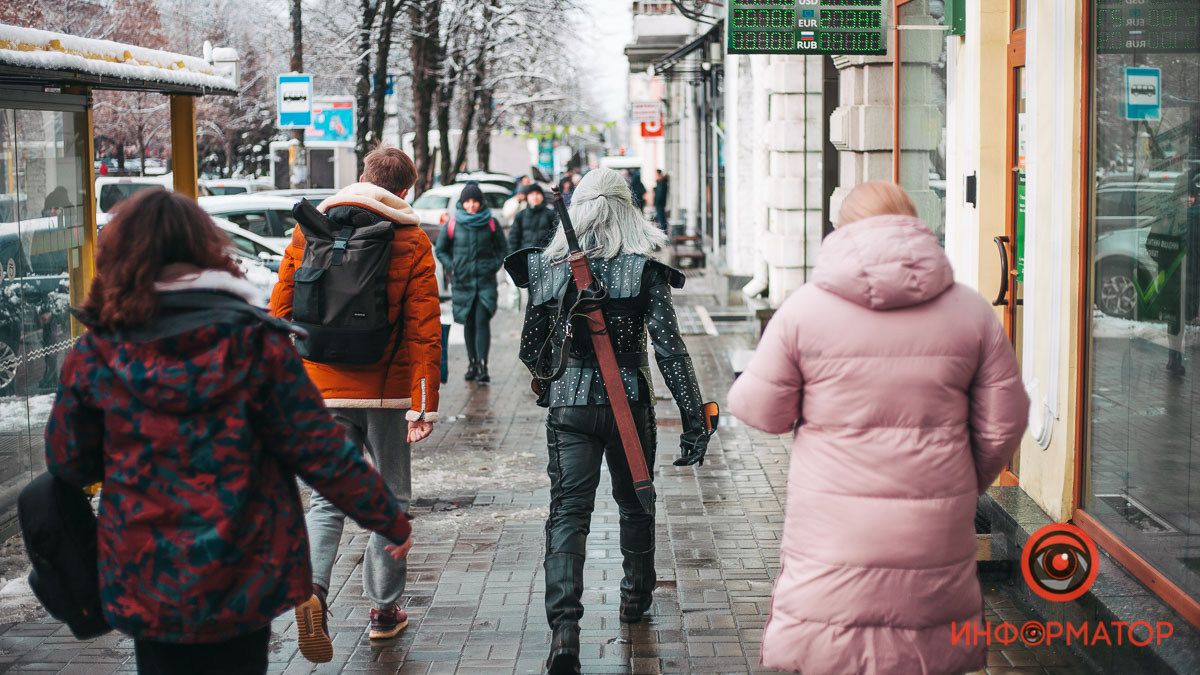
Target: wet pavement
475, 585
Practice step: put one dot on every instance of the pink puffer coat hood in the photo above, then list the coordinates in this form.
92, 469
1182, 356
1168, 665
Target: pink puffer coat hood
906, 402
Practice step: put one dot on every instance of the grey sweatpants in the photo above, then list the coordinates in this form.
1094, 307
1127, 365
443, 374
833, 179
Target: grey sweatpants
383, 435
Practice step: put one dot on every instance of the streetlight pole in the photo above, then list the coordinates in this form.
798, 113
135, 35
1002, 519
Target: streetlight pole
299, 170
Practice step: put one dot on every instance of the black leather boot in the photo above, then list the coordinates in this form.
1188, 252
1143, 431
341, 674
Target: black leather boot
482, 376
564, 650
472, 372
637, 588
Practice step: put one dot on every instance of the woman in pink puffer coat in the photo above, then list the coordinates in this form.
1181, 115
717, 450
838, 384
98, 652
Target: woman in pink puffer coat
905, 400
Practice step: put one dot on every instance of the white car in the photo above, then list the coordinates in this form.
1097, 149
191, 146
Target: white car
236, 186
110, 190
433, 206
268, 216
487, 178
258, 258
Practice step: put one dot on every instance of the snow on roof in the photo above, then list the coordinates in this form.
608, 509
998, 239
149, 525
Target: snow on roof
107, 60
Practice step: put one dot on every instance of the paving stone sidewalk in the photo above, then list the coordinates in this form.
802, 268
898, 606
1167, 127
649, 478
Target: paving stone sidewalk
475, 585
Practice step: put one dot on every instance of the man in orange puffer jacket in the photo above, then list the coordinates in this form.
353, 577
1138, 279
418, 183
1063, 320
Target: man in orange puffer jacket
383, 407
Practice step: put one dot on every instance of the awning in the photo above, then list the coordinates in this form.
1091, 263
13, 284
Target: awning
32, 56
672, 59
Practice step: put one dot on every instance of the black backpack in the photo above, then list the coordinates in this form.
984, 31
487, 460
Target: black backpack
340, 296
59, 530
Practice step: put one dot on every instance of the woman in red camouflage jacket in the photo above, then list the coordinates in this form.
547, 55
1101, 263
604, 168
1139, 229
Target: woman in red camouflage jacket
193, 409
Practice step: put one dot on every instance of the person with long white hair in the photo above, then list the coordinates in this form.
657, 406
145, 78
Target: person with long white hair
581, 429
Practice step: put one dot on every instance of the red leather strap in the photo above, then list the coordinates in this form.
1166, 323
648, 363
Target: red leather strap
610, 374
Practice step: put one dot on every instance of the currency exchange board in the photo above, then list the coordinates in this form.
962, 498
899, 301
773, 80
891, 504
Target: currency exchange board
807, 26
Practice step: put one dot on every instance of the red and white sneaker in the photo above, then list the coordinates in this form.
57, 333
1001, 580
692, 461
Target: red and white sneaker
387, 623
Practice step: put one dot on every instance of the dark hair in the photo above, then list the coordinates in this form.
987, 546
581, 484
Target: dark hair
390, 169
150, 230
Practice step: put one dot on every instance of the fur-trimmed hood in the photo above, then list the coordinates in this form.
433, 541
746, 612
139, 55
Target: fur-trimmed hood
371, 197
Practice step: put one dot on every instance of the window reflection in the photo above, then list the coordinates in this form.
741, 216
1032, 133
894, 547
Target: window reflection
1144, 448
41, 221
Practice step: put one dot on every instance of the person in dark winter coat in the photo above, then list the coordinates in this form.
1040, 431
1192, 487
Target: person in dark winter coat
662, 192
637, 189
193, 410
534, 226
472, 247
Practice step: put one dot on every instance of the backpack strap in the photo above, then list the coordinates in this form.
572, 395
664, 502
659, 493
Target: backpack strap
492, 225
450, 227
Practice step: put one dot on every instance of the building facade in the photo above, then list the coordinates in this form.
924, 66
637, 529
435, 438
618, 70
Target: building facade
1055, 148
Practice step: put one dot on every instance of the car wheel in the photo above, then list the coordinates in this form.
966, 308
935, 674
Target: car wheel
1116, 293
9, 360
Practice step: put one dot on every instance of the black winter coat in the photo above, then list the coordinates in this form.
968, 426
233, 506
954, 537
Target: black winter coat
661, 189
533, 228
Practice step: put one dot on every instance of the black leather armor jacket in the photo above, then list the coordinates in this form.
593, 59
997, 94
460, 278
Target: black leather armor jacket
639, 304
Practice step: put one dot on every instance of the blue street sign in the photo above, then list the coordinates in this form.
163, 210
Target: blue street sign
1143, 93
294, 101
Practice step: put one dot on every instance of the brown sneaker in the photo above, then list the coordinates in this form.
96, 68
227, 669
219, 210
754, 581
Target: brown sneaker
312, 628
387, 623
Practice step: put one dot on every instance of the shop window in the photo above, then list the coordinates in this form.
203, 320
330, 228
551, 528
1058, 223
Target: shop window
1142, 462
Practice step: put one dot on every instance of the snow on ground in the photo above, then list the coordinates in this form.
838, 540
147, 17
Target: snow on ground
443, 525
33, 48
434, 476
17, 602
19, 414
1105, 326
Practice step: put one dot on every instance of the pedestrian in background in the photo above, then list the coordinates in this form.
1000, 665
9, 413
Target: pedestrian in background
905, 401
581, 429
637, 189
662, 193
534, 226
566, 186
472, 248
384, 406
516, 204
195, 412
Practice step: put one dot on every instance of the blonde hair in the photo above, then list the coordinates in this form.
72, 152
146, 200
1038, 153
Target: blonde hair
606, 221
875, 198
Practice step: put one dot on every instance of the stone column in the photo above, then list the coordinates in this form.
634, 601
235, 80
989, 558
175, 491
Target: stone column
794, 137
861, 127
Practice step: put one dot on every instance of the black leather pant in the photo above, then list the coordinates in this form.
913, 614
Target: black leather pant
579, 437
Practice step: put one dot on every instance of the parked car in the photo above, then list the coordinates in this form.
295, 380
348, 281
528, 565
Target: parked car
266, 215
488, 178
1128, 213
433, 206
236, 186
110, 190
252, 246
314, 195
1124, 201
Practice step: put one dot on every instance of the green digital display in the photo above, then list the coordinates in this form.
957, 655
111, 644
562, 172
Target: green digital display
1147, 26
806, 27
